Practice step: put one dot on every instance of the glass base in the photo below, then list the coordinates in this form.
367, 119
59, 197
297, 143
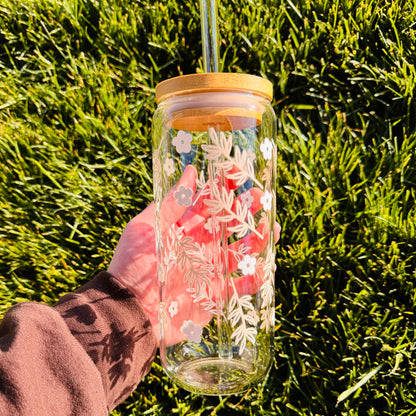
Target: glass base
214, 376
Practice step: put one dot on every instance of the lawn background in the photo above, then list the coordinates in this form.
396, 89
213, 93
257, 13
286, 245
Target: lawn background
77, 82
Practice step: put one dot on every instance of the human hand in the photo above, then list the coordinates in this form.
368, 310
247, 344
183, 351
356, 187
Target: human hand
135, 261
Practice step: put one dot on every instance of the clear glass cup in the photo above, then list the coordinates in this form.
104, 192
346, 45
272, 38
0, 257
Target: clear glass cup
214, 167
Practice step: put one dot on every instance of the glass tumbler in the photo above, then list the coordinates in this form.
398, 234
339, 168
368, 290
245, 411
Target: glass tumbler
214, 163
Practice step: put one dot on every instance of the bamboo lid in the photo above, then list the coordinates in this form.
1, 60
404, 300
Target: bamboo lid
214, 81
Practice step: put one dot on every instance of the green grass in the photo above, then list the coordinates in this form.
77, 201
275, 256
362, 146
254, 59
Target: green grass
77, 82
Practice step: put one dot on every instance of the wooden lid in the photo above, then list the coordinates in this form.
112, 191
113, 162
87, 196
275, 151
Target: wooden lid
214, 81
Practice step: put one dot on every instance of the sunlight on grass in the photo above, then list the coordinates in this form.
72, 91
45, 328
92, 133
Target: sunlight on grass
77, 83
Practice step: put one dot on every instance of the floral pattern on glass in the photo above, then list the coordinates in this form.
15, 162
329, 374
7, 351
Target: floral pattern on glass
169, 167
247, 199
267, 148
266, 200
195, 260
209, 226
182, 142
184, 196
193, 332
247, 265
173, 308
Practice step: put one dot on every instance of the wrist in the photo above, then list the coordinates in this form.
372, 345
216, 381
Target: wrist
142, 287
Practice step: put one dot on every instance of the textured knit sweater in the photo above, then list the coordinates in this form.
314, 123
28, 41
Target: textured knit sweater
81, 357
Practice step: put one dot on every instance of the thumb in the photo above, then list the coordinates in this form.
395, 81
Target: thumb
180, 197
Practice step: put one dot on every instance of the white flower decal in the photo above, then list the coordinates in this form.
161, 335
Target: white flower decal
266, 200
248, 265
267, 148
169, 167
247, 199
208, 226
184, 196
193, 332
173, 308
182, 142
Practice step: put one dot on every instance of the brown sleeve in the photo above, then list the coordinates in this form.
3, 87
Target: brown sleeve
82, 357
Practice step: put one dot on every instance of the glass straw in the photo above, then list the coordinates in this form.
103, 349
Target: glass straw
209, 31
210, 54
